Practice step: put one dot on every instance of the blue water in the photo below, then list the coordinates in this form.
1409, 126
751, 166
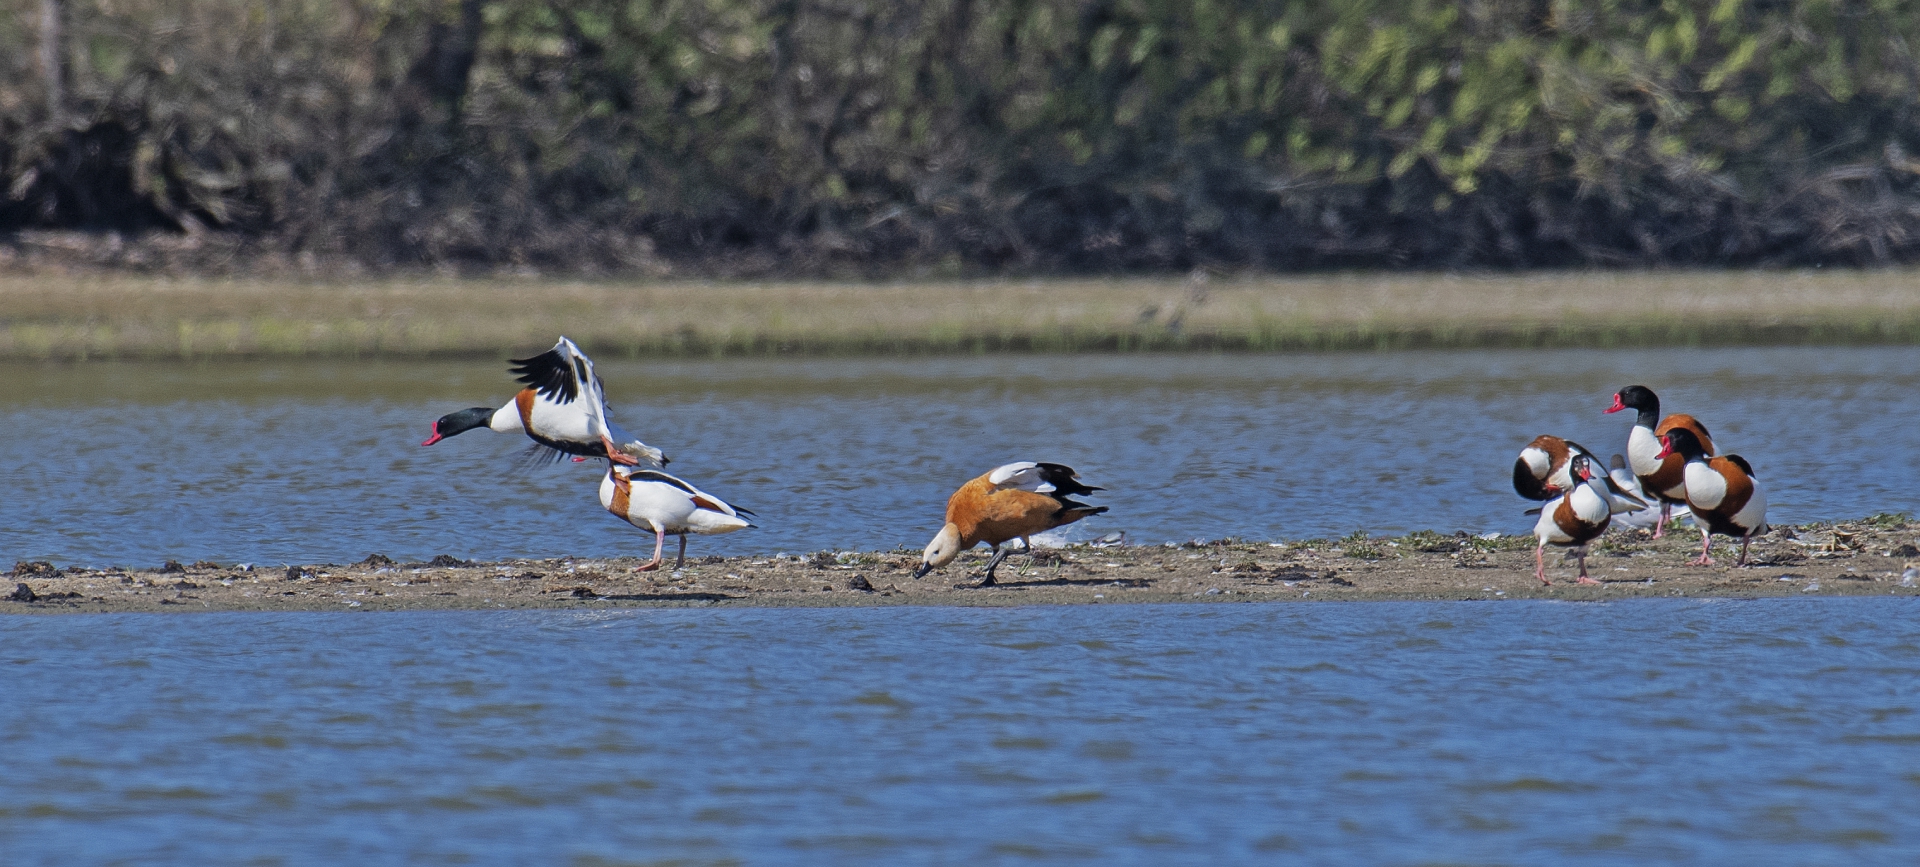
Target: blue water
311, 462
1764, 732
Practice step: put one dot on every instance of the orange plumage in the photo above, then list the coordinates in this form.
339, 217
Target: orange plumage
1014, 501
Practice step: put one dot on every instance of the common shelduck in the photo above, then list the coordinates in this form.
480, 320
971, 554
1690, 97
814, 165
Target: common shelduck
1014, 501
563, 410
1661, 478
1574, 518
1542, 473
1723, 492
653, 500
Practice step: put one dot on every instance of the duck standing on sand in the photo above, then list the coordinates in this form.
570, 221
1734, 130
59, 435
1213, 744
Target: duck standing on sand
1661, 478
1723, 492
653, 500
1574, 518
1014, 501
563, 410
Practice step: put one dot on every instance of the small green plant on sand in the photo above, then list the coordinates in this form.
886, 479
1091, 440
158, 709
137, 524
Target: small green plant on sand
1887, 520
1501, 542
1357, 546
1431, 542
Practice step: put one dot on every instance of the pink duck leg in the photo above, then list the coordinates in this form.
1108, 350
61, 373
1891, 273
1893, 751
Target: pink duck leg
1583, 568
617, 456
659, 545
1706, 545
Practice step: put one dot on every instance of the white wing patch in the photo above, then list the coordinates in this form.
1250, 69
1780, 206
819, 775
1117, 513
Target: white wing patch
1024, 475
590, 387
1705, 486
1627, 481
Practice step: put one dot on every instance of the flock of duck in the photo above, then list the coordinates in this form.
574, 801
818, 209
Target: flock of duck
563, 409
1670, 461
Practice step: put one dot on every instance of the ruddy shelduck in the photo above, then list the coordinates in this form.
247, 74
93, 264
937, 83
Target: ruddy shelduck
1661, 478
653, 500
1014, 501
563, 410
1723, 492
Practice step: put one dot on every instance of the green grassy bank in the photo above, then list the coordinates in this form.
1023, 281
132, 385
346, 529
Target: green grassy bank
77, 318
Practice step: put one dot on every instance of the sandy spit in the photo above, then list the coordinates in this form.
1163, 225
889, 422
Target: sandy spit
1862, 558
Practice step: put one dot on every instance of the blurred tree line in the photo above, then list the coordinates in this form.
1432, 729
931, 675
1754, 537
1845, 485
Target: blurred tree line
827, 136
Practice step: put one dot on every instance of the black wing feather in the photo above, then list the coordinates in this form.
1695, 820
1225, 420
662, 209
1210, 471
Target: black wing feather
541, 455
1526, 484
550, 373
1743, 465
1064, 483
657, 476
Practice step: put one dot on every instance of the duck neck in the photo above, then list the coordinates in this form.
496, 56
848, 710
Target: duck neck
454, 423
1649, 413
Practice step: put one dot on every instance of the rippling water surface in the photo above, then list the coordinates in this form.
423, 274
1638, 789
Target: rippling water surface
1773, 732
121, 464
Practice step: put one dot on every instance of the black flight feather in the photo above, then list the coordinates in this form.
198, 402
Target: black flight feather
550, 374
663, 478
1065, 483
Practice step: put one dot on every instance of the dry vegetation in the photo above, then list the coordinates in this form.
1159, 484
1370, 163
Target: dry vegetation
138, 317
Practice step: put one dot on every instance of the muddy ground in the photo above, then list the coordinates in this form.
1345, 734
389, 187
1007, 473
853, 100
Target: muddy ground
1872, 557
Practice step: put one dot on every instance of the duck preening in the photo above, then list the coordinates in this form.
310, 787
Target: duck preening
1723, 492
1663, 479
1543, 472
1014, 501
1574, 518
1540, 473
563, 410
653, 500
